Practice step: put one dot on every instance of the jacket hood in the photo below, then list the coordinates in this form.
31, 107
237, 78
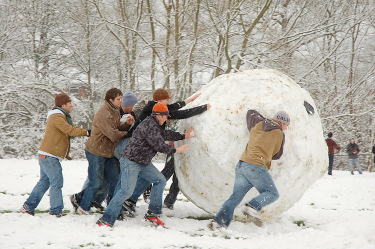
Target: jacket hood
268, 125
55, 111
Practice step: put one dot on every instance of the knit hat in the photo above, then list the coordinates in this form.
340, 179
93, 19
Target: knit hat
160, 94
160, 109
129, 99
282, 117
62, 99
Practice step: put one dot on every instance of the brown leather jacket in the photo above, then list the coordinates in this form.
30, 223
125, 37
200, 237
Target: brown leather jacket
56, 140
106, 131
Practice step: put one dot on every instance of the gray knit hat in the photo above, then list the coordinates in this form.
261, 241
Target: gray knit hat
282, 117
129, 99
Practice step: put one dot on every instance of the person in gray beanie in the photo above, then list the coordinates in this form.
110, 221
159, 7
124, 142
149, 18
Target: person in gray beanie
129, 100
266, 142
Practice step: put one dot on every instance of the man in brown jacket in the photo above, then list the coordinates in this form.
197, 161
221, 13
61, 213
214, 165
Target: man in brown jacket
266, 142
54, 148
106, 131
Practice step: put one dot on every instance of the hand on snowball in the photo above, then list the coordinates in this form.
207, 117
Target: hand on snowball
130, 120
187, 101
182, 148
188, 133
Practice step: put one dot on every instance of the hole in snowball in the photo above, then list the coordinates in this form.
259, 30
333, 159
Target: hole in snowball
309, 109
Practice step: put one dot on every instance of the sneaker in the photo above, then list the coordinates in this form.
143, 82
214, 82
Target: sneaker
25, 211
252, 215
146, 195
101, 223
58, 215
213, 225
98, 206
169, 206
128, 208
74, 201
153, 218
81, 211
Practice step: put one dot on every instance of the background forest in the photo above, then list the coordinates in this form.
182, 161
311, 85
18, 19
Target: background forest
85, 47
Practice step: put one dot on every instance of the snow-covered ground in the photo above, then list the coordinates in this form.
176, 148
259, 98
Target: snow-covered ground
336, 212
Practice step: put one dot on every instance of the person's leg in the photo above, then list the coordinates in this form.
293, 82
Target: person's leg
330, 157
96, 179
240, 188
168, 169
351, 166
358, 165
111, 176
54, 172
128, 179
171, 198
142, 185
261, 179
153, 175
40, 188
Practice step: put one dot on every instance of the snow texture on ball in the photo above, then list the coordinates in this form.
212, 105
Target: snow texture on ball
206, 172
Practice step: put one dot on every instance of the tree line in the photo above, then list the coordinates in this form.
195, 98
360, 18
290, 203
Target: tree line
49, 46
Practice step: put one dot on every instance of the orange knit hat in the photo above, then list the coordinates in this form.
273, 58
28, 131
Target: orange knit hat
160, 109
160, 94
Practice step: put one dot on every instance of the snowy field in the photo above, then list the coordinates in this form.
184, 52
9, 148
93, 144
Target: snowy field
336, 212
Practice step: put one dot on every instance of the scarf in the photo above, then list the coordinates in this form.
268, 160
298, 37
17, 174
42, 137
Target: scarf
67, 115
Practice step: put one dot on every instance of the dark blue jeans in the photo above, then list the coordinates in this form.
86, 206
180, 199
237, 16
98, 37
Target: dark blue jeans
101, 171
330, 165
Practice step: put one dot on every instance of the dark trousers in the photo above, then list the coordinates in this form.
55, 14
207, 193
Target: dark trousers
330, 165
168, 171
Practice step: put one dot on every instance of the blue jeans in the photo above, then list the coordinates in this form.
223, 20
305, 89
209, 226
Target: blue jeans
356, 162
248, 176
130, 173
120, 148
101, 171
51, 177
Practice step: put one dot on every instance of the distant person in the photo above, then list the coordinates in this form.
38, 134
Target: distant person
53, 149
353, 149
148, 139
266, 143
373, 152
331, 151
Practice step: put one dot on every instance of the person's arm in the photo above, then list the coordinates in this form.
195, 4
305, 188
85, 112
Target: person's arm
335, 146
182, 114
61, 124
252, 118
175, 106
156, 141
280, 143
109, 129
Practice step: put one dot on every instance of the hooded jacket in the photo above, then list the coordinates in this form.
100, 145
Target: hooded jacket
266, 140
56, 140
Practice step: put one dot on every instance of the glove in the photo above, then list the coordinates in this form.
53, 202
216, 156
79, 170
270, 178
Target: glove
88, 132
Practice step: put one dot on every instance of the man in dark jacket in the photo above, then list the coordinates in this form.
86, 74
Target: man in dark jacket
148, 139
331, 151
353, 149
266, 142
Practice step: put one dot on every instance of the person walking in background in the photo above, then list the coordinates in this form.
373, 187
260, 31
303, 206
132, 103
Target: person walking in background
373, 152
53, 149
331, 151
353, 149
266, 143
148, 139
106, 131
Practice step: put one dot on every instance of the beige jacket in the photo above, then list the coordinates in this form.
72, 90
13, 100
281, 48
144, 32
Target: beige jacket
106, 131
56, 140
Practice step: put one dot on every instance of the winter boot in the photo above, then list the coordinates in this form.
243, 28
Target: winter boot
146, 194
101, 223
128, 208
74, 201
26, 211
252, 215
98, 206
213, 225
167, 205
153, 218
58, 215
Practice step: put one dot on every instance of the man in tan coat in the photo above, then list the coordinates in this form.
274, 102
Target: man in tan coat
106, 131
266, 142
54, 148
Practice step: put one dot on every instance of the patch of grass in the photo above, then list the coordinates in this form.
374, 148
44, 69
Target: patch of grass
200, 217
312, 204
300, 223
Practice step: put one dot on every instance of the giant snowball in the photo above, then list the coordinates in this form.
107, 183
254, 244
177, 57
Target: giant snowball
206, 172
